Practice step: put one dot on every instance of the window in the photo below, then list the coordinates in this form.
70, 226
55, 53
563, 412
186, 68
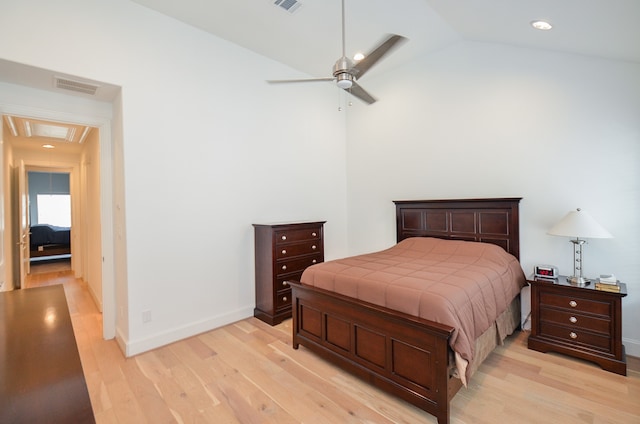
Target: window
54, 209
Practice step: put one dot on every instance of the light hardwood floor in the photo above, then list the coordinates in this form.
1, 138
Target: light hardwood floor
247, 372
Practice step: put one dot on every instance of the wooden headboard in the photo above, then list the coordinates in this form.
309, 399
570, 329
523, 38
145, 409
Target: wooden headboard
487, 220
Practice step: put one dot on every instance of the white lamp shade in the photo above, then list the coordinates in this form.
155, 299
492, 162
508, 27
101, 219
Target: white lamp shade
579, 224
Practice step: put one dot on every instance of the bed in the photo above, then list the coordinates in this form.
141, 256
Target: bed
48, 240
394, 348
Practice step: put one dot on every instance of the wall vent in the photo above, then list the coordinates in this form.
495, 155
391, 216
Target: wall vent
80, 87
288, 5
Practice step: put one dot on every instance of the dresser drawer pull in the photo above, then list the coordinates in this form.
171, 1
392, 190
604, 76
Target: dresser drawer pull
284, 267
284, 238
314, 247
284, 252
314, 234
284, 283
573, 335
573, 303
284, 298
314, 261
573, 320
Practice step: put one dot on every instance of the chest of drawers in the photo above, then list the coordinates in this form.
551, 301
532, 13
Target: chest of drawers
579, 321
283, 252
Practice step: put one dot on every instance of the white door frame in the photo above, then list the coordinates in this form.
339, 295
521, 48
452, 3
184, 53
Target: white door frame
106, 198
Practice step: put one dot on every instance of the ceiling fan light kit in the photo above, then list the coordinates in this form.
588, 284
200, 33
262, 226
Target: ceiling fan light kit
345, 72
344, 80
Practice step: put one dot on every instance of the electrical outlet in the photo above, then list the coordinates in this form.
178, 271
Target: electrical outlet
146, 316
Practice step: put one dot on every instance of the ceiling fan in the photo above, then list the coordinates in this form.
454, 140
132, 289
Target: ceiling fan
345, 72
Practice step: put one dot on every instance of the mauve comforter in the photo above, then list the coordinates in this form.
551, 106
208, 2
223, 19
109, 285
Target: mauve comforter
465, 285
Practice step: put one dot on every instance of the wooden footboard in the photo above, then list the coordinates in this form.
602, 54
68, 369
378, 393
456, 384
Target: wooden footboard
401, 354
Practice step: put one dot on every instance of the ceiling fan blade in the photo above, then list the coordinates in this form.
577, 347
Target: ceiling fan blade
360, 93
301, 80
378, 53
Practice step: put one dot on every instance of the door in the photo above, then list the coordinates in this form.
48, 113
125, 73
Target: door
4, 284
23, 217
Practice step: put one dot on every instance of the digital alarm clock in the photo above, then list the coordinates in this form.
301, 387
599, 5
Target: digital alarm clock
545, 271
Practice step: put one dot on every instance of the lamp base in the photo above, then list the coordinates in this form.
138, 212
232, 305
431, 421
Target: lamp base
578, 281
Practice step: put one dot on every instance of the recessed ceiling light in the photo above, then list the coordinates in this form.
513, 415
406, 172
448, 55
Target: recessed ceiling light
12, 125
358, 57
541, 25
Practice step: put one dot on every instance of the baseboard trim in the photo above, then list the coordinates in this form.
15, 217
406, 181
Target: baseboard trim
632, 347
136, 347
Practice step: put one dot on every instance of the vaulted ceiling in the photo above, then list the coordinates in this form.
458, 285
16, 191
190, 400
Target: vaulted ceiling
307, 37
306, 34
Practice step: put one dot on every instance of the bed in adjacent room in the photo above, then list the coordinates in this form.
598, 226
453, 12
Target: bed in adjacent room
418, 318
49, 240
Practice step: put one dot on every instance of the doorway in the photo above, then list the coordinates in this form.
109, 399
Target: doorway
49, 214
95, 201
43, 174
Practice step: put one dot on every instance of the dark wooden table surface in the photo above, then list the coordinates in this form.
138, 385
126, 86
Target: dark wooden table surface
41, 378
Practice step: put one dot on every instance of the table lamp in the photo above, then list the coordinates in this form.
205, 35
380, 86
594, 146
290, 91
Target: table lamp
578, 224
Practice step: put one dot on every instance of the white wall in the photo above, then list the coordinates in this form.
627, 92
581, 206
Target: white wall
485, 120
90, 216
205, 152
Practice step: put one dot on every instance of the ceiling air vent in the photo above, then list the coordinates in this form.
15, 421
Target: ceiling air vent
80, 87
288, 5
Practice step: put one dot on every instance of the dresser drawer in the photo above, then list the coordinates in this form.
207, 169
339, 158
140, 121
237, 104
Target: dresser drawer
575, 303
297, 249
287, 266
294, 235
283, 299
281, 281
576, 321
576, 336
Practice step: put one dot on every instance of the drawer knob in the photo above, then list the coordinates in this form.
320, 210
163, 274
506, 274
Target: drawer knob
284, 267
314, 247
573, 320
284, 251
313, 261
284, 283
284, 298
573, 335
284, 237
573, 303
314, 234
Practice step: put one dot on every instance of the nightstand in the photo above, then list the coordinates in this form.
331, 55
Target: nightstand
580, 321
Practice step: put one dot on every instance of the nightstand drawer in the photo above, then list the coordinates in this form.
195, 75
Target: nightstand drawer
576, 336
575, 303
576, 321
